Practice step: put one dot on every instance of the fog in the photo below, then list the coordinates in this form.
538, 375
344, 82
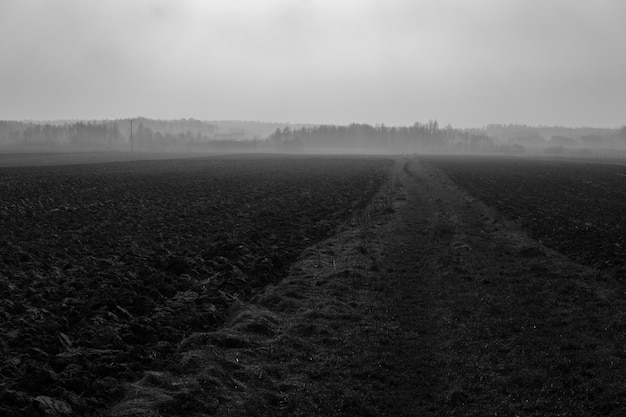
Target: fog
141, 135
470, 64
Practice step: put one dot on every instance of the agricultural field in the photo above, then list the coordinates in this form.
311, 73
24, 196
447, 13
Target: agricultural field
575, 207
264, 285
534, 282
105, 267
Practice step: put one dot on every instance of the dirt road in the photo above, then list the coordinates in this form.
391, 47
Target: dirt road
437, 307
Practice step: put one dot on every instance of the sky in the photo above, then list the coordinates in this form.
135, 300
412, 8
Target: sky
464, 62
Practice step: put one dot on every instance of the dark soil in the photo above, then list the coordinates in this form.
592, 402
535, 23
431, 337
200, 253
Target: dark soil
105, 268
441, 308
428, 301
575, 207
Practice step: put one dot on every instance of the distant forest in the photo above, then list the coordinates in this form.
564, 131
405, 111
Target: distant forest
233, 136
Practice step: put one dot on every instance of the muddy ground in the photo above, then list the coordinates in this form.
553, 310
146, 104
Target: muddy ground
442, 308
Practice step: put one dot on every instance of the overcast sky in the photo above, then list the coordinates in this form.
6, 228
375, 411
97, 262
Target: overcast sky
464, 62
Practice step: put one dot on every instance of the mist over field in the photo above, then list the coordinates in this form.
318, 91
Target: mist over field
303, 75
312, 208
195, 136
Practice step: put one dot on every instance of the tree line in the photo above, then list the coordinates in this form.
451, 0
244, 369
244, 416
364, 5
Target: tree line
147, 134
157, 135
363, 137
87, 135
191, 134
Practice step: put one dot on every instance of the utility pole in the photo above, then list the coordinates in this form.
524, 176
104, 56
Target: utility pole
131, 135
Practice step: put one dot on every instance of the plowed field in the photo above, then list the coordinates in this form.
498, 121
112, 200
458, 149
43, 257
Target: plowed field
577, 208
207, 287
104, 268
